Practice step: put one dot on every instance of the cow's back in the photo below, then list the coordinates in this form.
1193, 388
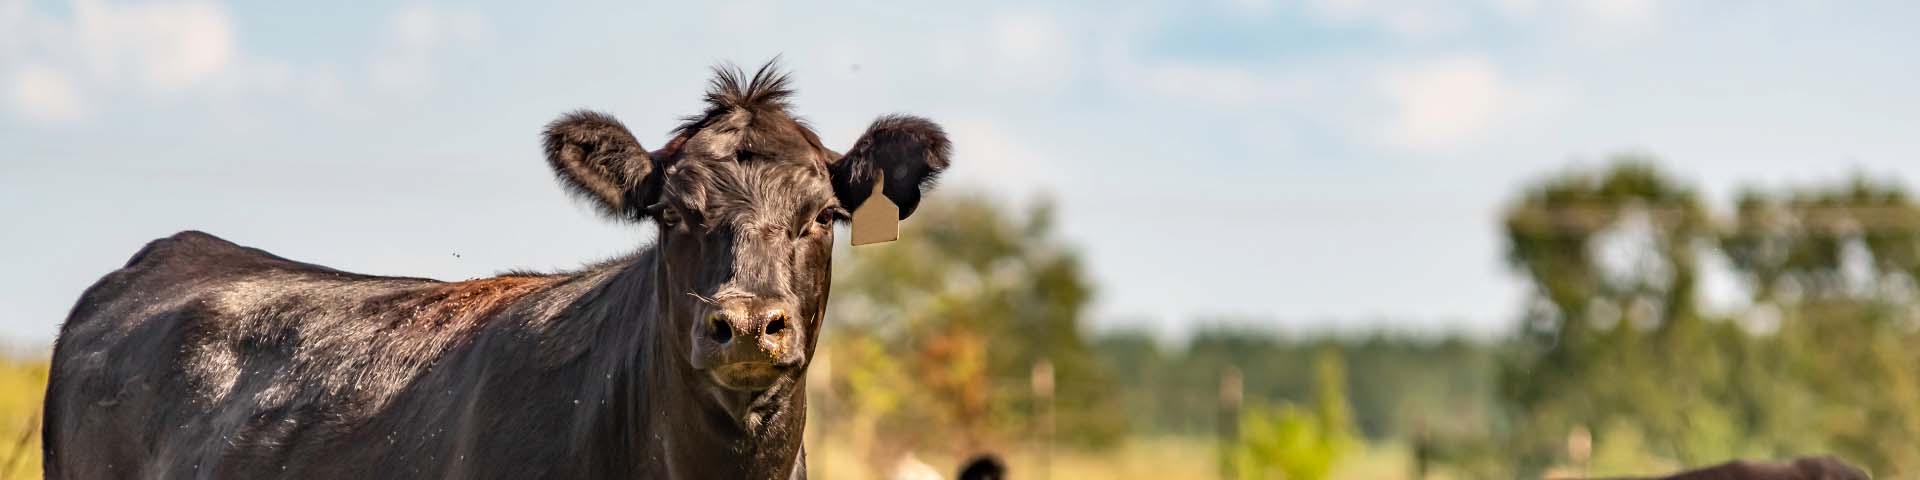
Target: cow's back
201, 354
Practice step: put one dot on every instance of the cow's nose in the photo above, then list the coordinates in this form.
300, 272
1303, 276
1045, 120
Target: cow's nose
753, 332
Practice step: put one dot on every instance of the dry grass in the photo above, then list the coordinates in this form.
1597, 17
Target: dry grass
1139, 458
22, 385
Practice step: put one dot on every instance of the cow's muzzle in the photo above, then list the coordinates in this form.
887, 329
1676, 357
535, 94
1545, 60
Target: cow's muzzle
748, 345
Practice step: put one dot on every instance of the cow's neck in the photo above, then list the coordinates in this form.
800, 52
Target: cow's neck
662, 410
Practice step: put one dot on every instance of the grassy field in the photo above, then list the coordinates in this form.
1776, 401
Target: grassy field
21, 386
1139, 458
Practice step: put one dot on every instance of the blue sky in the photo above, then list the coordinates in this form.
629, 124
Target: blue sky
1311, 164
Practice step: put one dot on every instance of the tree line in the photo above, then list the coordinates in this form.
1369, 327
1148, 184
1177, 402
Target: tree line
937, 338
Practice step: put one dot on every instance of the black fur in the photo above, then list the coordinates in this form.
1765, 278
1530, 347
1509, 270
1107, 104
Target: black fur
986, 466
909, 151
1803, 468
597, 158
205, 359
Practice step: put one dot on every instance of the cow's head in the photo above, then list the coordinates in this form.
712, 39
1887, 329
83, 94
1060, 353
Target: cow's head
745, 197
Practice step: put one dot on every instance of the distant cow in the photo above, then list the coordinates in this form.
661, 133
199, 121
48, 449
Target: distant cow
205, 359
985, 466
1805, 468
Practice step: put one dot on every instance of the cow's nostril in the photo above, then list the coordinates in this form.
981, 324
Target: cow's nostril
718, 330
777, 324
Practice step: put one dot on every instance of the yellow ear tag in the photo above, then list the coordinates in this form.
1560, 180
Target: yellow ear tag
878, 219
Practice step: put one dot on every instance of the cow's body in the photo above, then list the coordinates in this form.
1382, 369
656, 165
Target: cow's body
204, 359
281, 366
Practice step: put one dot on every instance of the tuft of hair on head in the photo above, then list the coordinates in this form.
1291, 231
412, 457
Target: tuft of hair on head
731, 90
985, 466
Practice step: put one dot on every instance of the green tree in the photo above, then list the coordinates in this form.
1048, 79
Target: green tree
1832, 270
971, 297
1822, 361
1614, 337
1285, 441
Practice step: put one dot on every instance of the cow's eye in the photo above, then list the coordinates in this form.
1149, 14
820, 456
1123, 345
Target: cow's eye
826, 217
666, 215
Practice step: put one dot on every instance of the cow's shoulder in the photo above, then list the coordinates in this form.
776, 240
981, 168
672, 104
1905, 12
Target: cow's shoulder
208, 253
185, 272
182, 243
161, 266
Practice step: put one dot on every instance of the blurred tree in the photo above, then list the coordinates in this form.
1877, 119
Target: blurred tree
968, 301
1612, 331
1285, 441
1832, 273
1614, 338
1399, 385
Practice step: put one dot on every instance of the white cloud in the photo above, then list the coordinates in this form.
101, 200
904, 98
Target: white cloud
1024, 50
1402, 17
1220, 85
1257, 7
1611, 22
1515, 8
1592, 22
1443, 103
43, 94
1030, 49
316, 87
1343, 8
415, 33
13, 24
60, 63
1452, 102
996, 157
166, 46
1616, 11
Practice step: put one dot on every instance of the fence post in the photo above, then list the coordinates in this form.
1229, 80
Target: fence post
1231, 393
1422, 451
1580, 449
822, 377
1043, 406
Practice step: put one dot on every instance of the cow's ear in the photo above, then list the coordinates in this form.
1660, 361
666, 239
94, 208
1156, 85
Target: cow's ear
910, 152
599, 160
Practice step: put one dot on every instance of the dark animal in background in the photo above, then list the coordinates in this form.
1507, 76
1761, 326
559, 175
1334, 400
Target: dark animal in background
205, 359
983, 467
1804, 468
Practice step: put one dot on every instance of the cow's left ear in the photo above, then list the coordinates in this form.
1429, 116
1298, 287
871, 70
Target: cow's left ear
910, 152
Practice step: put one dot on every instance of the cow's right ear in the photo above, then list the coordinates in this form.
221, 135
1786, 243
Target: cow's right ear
599, 160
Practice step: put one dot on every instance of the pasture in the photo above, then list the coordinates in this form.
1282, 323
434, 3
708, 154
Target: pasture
22, 382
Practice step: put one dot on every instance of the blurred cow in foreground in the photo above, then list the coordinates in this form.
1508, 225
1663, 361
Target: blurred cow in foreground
1805, 468
986, 466
206, 359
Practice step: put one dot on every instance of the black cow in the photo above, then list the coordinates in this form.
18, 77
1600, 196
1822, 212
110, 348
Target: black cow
984, 466
205, 359
1804, 468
